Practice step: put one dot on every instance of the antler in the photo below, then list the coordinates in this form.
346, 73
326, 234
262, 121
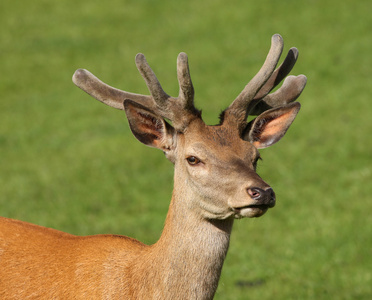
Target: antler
180, 110
255, 97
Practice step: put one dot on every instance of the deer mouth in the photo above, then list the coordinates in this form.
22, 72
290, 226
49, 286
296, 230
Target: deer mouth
251, 211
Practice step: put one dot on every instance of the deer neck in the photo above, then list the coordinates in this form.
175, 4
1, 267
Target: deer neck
192, 250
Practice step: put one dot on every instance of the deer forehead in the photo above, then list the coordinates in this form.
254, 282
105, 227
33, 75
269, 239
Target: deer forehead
220, 142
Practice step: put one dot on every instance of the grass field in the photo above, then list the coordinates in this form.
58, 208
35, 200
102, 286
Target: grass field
71, 163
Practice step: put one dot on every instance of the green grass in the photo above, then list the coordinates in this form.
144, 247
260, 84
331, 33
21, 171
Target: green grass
71, 163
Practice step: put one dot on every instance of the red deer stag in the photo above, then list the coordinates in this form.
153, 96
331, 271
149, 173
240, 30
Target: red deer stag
215, 182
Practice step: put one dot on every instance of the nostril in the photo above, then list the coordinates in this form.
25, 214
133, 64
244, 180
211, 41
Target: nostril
255, 193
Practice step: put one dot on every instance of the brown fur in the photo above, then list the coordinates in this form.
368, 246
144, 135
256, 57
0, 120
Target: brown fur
186, 261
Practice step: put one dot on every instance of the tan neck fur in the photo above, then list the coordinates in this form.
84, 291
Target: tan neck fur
189, 255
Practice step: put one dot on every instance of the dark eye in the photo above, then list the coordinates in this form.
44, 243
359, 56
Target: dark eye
192, 160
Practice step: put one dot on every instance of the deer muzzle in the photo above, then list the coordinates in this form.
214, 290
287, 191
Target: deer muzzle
262, 197
262, 200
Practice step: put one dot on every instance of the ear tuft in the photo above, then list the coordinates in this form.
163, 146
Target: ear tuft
269, 127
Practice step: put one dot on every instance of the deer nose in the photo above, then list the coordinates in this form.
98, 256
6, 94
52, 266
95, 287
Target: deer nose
265, 197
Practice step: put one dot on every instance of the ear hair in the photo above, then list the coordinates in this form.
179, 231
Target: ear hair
269, 127
149, 128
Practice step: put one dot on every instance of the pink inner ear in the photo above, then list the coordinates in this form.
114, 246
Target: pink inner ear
273, 130
276, 125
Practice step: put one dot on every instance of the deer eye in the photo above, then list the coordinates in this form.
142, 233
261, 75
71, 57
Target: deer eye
192, 160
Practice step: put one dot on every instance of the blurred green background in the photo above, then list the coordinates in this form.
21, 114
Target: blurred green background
70, 163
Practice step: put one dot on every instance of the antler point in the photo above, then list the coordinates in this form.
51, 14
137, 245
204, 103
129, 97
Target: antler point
79, 76
182, 57
277, 36
140, 57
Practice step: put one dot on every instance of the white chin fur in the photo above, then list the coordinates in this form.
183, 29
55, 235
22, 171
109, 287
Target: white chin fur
250, 212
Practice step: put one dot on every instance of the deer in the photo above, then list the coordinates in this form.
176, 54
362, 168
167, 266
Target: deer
215, 182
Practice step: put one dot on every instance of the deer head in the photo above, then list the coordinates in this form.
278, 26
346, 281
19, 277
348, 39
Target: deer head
215, 166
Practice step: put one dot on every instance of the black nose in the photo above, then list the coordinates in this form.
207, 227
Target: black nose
266, 197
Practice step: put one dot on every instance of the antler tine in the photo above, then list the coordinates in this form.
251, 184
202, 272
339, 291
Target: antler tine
151, 80
290, 90
238, 110
184, 79
279, 74
179, 110
106, 94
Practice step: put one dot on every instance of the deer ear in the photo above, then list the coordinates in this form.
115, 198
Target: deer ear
270, 126
149, 128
